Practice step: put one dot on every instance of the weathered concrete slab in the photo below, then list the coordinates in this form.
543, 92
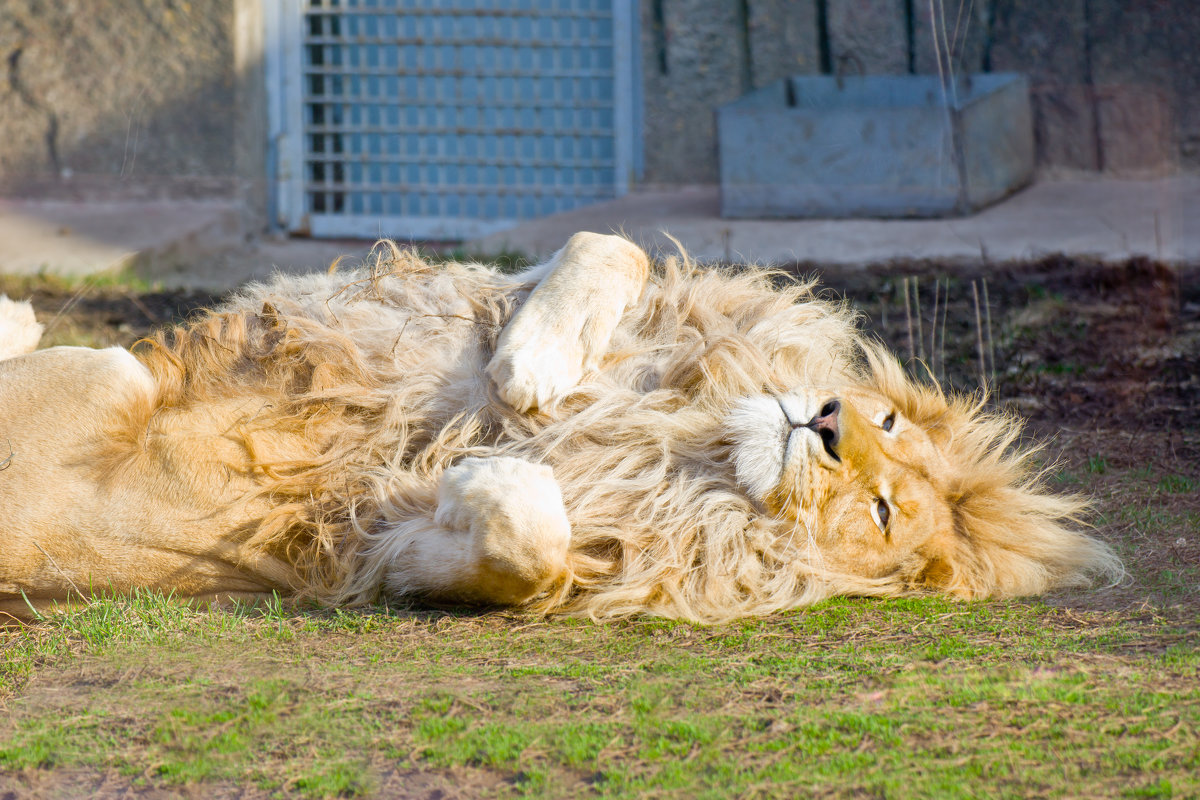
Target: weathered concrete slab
956, 34
1048, 42
693, 59
1065, 128
117, 87
1136, 130
1142, 80
875, 146
1183, 33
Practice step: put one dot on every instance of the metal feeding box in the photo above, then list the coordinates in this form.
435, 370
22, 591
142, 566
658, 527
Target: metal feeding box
875, 146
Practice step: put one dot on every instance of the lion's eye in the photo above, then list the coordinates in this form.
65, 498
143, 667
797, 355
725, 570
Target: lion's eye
883, 514
888, 422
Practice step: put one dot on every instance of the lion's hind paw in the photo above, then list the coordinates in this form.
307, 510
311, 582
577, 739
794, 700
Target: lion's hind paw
20, 331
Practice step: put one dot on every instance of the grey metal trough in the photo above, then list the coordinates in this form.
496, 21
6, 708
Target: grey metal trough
875, 146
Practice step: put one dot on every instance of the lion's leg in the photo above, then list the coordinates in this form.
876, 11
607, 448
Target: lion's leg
19, 328
499, 536
566, 325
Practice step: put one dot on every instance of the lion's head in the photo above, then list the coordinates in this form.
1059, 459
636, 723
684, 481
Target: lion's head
897, 484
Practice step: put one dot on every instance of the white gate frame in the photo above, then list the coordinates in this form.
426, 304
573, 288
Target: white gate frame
284, 71
284, 75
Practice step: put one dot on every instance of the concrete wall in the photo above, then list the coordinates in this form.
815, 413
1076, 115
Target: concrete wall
699, 54
1114, 82
166, 96
136, 97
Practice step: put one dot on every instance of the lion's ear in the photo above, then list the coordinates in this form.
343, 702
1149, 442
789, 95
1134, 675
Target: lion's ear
1013, 542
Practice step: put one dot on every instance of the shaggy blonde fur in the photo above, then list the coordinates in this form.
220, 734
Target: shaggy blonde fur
331, 405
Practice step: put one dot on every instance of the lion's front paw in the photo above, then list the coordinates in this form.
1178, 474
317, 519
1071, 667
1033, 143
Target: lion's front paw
567, 324
19, 328
532, 375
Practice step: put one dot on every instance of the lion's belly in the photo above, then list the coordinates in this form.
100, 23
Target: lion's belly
75, 519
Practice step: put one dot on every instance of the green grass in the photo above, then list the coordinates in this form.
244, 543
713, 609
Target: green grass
122, 278
903, 698
1177, 484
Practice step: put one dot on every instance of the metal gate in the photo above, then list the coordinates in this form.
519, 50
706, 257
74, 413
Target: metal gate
446, 119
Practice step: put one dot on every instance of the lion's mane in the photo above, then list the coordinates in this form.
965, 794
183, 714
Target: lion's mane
346, 395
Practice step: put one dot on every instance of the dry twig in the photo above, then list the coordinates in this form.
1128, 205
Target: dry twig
991, 348
979, 335
908, 318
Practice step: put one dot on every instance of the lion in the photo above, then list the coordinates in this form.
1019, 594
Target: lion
595, 436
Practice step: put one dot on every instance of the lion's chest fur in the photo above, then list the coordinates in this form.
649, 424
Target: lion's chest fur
416, 343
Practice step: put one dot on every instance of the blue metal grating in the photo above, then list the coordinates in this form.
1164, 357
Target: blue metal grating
420, 113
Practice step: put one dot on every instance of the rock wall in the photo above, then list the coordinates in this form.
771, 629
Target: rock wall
138, 90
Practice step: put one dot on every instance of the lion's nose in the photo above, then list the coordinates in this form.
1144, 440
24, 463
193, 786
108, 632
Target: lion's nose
825, 425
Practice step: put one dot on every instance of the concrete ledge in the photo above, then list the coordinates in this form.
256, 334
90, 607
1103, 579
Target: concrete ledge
1102, 218
220, 268
79, 239
200, 244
